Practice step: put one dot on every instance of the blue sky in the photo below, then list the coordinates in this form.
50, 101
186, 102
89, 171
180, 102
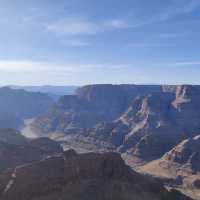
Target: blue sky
79, 42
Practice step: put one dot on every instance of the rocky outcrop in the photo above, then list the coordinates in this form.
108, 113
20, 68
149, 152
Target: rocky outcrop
17, 150
186, 153
12, 136
83, 176
50, 147
181, 165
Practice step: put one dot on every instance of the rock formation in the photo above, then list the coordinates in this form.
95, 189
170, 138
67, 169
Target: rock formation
137, 120
82, 177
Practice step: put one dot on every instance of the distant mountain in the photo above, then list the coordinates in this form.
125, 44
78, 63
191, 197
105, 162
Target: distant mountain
17, 105
52, 90
74, 176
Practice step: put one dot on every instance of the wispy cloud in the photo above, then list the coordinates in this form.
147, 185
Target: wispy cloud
178, 7
26, 66
181, 7
41, 73
150, 45
173, 10
83, 26
75, 42
73, 26
117, 24
11, 66
173, 35
185, 63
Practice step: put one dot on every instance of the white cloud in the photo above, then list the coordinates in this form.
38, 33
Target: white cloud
24, 66
148, 45
185, 63
12, 66
75, 42
83, 26
118, 24
41, 73
73, 26
18, 66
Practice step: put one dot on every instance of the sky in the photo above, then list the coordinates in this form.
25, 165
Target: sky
78, 42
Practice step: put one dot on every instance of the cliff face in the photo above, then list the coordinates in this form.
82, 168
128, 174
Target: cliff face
142, 122
91, 105
180, 166
187, 152
187, 108
83, 176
